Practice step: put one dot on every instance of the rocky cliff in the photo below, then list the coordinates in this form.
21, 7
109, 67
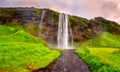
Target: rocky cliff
31, 19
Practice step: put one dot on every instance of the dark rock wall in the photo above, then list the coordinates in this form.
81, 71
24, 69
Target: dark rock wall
82, 29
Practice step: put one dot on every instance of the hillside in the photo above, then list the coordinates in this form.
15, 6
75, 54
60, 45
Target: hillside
30, 19
101, 59
20, 51
103, 40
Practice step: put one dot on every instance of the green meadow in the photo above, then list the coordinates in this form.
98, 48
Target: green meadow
101, 59
20, 51
101, 53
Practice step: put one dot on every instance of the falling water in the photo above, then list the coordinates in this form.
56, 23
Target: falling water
63, 31
52, 18
42, 17
71, 35
41, 20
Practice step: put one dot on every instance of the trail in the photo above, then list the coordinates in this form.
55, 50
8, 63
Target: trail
67, 62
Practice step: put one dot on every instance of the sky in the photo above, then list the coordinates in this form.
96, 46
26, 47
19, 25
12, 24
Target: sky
109, 9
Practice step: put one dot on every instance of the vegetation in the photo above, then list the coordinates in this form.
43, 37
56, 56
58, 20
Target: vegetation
37, 12
101, 53
103, 40
55, 17
22, 52
101, 59
76, 20
106, 24
15, 26
31, 29
4, 30
109, 26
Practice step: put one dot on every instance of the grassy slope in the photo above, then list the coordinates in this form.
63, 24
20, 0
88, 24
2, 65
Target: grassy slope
20, 51
101, 53
101, 59
110, 55
103, 40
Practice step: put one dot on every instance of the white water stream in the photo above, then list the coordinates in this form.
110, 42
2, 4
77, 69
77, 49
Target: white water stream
63, 31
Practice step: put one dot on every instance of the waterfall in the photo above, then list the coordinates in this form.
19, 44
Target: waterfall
42, 17
52, 18
41, 21
63, 31
71, 35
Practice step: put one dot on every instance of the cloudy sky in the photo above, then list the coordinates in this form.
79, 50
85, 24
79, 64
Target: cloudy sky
109, 9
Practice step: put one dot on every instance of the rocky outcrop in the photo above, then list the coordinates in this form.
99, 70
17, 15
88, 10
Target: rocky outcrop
109, 26
82, 29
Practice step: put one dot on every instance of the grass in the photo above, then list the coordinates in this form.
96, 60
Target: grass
76, 20
110, 55
22, 52
15, 25
101, 53
110, 25
4, 30
101, 59
103, 40
31, 29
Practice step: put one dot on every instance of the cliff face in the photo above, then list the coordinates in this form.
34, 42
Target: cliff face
30, 19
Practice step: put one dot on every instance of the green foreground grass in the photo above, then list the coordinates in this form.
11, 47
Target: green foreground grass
101, 59
22, 52
101, 53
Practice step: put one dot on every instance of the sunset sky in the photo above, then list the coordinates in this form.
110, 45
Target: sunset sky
109, 9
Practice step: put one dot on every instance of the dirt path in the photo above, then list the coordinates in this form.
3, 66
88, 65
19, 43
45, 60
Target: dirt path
67, 62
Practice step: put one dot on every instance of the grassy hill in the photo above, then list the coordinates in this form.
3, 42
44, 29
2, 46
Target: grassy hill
101, 59
20, 51
103, 40
101, 53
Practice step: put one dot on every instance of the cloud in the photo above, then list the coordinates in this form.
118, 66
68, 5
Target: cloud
108, 9
111, 10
